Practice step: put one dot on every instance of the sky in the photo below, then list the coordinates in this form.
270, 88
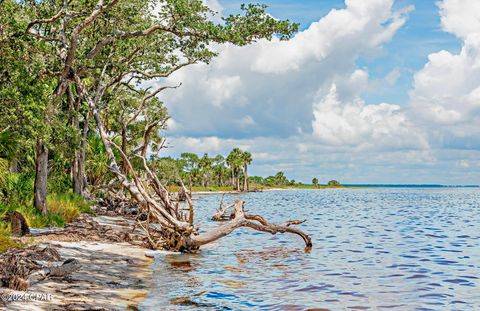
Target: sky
370, 91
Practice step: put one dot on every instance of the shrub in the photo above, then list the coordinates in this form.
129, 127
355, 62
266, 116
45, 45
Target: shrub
5, 241
59, 182
17, 189
61, 209
334, 183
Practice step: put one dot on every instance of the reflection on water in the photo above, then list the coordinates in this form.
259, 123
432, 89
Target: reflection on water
378, 249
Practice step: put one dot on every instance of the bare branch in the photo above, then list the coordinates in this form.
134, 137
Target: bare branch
252, 221
50, 20
147, 98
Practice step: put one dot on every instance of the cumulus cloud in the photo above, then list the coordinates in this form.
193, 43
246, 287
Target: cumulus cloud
276, 83
446, 92
297, 105
356, 124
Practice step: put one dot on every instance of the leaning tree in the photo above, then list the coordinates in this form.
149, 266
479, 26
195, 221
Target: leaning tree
109, 49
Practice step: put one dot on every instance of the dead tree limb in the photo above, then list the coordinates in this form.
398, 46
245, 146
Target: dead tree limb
252, 221
220, 213
67, 268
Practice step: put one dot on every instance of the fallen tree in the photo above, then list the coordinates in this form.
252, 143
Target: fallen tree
166, 227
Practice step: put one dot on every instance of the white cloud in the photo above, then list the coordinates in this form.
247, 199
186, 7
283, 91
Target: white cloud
392, 77
356, 124
222, 88
297, 106
276, 83
460, 17
446, 94
246, 121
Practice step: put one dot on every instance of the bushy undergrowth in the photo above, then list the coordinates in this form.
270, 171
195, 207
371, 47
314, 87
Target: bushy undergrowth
62, 209
5, 241
16, 188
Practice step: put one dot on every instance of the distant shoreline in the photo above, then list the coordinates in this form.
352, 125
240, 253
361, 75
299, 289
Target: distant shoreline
410, 186
346, 186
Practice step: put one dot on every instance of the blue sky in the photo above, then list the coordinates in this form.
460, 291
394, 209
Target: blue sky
408, 51
371, 91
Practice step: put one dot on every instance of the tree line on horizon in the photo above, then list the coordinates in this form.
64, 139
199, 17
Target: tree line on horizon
219, 171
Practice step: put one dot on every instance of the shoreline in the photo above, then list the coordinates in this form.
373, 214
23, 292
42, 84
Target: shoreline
112, 275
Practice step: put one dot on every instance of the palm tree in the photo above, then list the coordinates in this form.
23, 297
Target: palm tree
229, 162
234, 160
246, 159
205, 165
191, 165
280, 179
219, 169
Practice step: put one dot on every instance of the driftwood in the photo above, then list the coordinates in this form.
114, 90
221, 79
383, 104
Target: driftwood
167, 227
20, 268
63, 270
220, 213
256, 222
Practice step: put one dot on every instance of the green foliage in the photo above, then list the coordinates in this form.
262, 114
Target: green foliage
315, 181
3, 172
333, 183
17, 188
62, 209
97, 162
59, 182
5, 241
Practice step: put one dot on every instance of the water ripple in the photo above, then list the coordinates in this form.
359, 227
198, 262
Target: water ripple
374, 249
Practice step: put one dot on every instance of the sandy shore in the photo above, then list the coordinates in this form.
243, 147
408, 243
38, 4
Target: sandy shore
113, 276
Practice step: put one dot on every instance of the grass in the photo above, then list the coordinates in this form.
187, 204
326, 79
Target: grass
5, 241
62, 209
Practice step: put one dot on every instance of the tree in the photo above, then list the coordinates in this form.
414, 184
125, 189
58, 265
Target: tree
333, 183
246, 160
235, 162
280, 179
25, 88
191, 167
92, 51
315, 181
220, 170
205, 165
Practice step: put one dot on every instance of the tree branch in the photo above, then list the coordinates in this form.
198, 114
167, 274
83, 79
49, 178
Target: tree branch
251, 221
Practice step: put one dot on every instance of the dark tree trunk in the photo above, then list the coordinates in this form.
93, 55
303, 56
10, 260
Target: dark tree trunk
41, 175
238, 181
79, 178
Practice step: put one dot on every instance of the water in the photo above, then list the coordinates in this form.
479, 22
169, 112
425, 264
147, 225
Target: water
378, 249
